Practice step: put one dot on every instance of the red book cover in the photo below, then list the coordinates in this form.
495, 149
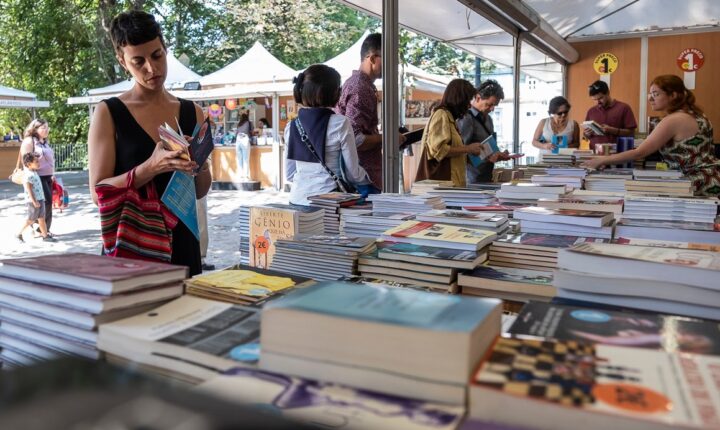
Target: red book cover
417, 228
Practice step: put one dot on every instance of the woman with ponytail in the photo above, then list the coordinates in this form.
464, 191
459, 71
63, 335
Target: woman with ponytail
684, 137
320, 143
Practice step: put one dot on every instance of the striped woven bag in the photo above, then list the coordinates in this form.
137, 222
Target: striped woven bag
133, 225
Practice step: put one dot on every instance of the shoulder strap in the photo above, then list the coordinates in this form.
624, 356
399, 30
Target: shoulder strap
305, 140
482, 123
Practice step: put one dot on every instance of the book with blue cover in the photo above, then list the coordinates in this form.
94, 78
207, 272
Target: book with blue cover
180, 198
490, 146
389, 306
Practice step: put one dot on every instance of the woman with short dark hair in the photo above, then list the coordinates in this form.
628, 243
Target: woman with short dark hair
557, 124
124, 131
684, 137
329, 137
444, 156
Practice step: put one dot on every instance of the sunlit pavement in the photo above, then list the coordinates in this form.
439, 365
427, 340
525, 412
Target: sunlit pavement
77, 228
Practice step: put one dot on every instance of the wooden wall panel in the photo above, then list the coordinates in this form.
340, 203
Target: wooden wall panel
662, 52
624, 83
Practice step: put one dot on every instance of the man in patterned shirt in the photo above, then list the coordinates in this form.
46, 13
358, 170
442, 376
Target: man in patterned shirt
358, 102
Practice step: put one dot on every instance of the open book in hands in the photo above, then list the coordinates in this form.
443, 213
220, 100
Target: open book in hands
199, 147
489, 146
594, 127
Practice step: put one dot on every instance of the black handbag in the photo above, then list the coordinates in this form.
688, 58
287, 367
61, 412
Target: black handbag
341, 184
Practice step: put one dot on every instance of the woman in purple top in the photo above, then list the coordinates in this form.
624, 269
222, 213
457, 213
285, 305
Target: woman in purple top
35, 140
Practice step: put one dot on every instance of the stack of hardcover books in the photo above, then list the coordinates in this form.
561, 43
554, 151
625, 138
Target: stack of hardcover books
680, 281
565, 221
507, 283
244, 285
526, 193
405, 203
321, 257
51, 305
532, 251
459, 197
572, 177
612, 180
331, 204
665, 187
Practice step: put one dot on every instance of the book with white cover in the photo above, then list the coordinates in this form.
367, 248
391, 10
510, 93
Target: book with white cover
329, 405
442, 235
400, 341
579, 203
465, 218
540, 227
564, 385
205, 333
684, 266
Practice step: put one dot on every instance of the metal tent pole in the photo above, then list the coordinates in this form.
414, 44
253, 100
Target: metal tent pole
390, 102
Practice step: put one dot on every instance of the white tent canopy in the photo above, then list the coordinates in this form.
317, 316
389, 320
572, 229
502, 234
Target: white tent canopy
256, 66
12, 98
178, 74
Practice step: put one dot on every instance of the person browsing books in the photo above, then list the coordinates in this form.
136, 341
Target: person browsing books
321, 144
477, 125
444, 155
614, 117
558, 126
358, 101
124, 131
684, 137
35, 140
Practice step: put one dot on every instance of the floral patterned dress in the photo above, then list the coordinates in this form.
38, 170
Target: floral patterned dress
695, 157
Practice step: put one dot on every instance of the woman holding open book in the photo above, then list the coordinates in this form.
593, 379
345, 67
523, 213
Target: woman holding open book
684, 137
124, 134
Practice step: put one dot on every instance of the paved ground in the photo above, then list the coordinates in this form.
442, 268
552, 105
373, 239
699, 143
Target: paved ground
78, 227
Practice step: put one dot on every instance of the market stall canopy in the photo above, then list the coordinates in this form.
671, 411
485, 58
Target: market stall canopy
463, 24
12, 98
256, 66
578, 20
178, 75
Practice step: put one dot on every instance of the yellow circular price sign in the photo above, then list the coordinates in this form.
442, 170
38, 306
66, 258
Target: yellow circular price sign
605, 63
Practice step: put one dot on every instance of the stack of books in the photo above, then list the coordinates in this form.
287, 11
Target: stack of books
405, 203
370, 224
531, 251
525, 193
51, 306
558, 159
244, 285
482, 220
570, 176
679, 281
669, 218
398, 341
584, 203
459, 197
270, 222
665, 187
657, 174
510, 284
612, 180
558, 384
565, 221
331, 204
439, 235
424, 186
321, 257
190, 339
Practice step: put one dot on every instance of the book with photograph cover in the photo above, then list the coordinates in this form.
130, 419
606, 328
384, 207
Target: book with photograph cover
431, 255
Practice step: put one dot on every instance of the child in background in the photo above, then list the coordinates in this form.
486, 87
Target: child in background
34, 197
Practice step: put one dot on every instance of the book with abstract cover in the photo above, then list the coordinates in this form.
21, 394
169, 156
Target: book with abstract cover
634, 329
558, 384
541, 242
267, 225
330, 405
